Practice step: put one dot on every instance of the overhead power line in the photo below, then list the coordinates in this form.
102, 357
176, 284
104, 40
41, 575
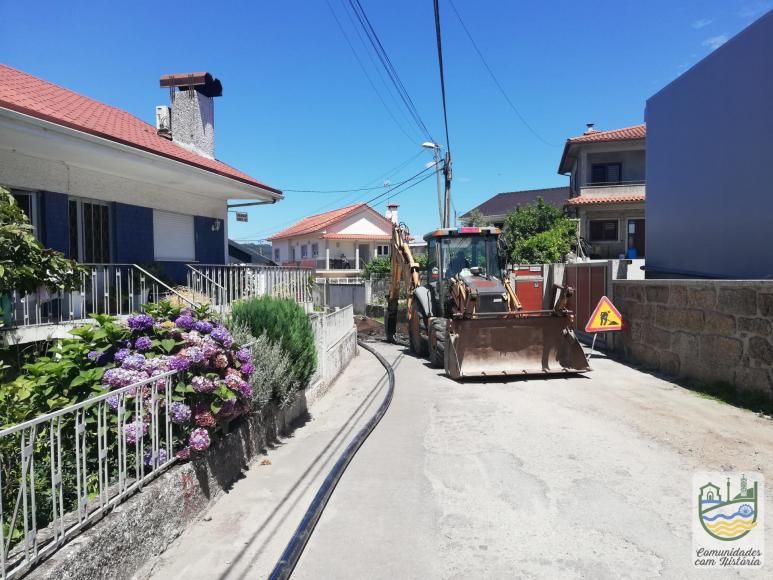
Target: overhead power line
442, 73
531, 129
364, 188
391, 190
389, 67
367, 76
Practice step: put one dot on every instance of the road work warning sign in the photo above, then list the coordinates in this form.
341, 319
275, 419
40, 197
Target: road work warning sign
605, 318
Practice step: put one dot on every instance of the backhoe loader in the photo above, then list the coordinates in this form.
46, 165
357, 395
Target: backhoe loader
467, 318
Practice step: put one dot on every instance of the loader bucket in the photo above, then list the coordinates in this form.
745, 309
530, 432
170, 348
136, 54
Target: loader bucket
530, 345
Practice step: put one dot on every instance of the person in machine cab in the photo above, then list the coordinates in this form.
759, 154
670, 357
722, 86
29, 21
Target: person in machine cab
457, 264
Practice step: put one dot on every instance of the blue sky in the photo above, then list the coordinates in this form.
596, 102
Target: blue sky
298, 113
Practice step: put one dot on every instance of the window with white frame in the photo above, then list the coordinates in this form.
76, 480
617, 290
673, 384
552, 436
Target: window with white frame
90, 230
382, 250
277, 254
304, 251
28, 203
173, 237
314, 250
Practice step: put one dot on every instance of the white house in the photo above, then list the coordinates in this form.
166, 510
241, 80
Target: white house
102, 186
336, 243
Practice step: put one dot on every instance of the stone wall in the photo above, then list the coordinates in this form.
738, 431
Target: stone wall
142, 527
715, 331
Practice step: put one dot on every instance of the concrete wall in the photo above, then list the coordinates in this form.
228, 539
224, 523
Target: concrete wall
709, 151
709, 330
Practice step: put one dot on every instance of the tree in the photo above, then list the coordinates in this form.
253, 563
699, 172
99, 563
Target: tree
476, 219
383, 265
24, 263
538, 233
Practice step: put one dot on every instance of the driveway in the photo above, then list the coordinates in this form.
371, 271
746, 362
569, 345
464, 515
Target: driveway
571, 477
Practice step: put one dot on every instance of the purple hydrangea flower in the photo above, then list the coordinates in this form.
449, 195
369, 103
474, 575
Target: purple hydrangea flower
134, 362
185, 322
121, 354
117, 378
135, 431
245, 390
221, 335
143, 343
199, 439
232, 378
194, 354
203, 326
180, 413
112, 402
228, 409
99, 358
156, 365
149, 457
179, 363
202, 385
247, 368
243, 355
140, 322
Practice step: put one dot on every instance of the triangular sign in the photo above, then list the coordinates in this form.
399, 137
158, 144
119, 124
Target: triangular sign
605, 318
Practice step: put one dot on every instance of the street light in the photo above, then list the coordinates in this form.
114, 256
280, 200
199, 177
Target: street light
436, 149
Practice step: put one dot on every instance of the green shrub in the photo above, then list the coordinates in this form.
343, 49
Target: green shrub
284, 322
273, 376
378, 265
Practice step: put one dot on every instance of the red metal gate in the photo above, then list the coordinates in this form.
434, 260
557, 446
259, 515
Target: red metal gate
591, 281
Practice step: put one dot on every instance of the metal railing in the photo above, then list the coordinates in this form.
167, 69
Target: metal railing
115, 289
224, 284
66, 469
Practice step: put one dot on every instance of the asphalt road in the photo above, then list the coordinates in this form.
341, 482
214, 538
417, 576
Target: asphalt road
578, 477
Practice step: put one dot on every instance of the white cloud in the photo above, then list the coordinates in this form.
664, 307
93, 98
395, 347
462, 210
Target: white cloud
715, 41
702, 23
754, 9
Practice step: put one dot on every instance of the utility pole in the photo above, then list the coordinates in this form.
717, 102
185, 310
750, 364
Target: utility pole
447, 173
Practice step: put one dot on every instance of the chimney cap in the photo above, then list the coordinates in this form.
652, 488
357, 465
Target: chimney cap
203, 82
590, 128
391, 205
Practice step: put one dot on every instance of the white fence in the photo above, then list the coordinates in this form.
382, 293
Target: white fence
224, 284
329, 330
92, 455
115, 289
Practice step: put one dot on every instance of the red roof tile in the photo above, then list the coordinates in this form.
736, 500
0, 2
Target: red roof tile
624, 134
588, 200
24, 93
314, 223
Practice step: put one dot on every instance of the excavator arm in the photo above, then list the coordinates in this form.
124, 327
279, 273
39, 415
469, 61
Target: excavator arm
404, 269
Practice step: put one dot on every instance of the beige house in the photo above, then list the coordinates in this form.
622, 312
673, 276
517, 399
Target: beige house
337, 243
607, 189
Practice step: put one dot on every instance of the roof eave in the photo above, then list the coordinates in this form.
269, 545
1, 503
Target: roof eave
260, 191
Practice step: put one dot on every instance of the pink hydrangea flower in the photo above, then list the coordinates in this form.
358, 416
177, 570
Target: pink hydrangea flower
199, 439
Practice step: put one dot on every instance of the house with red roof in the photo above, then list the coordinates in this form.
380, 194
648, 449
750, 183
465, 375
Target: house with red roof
336, 243
103, 186
606, 172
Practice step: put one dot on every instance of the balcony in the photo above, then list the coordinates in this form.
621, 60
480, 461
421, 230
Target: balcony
604, 189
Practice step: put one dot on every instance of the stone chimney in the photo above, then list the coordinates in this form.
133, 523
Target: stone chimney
391, 212
193, 110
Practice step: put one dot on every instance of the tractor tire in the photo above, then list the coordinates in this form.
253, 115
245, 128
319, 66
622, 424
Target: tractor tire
417, 331
438, 333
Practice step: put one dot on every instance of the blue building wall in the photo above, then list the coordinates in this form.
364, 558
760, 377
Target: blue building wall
55, 230
132, 234
210, 245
